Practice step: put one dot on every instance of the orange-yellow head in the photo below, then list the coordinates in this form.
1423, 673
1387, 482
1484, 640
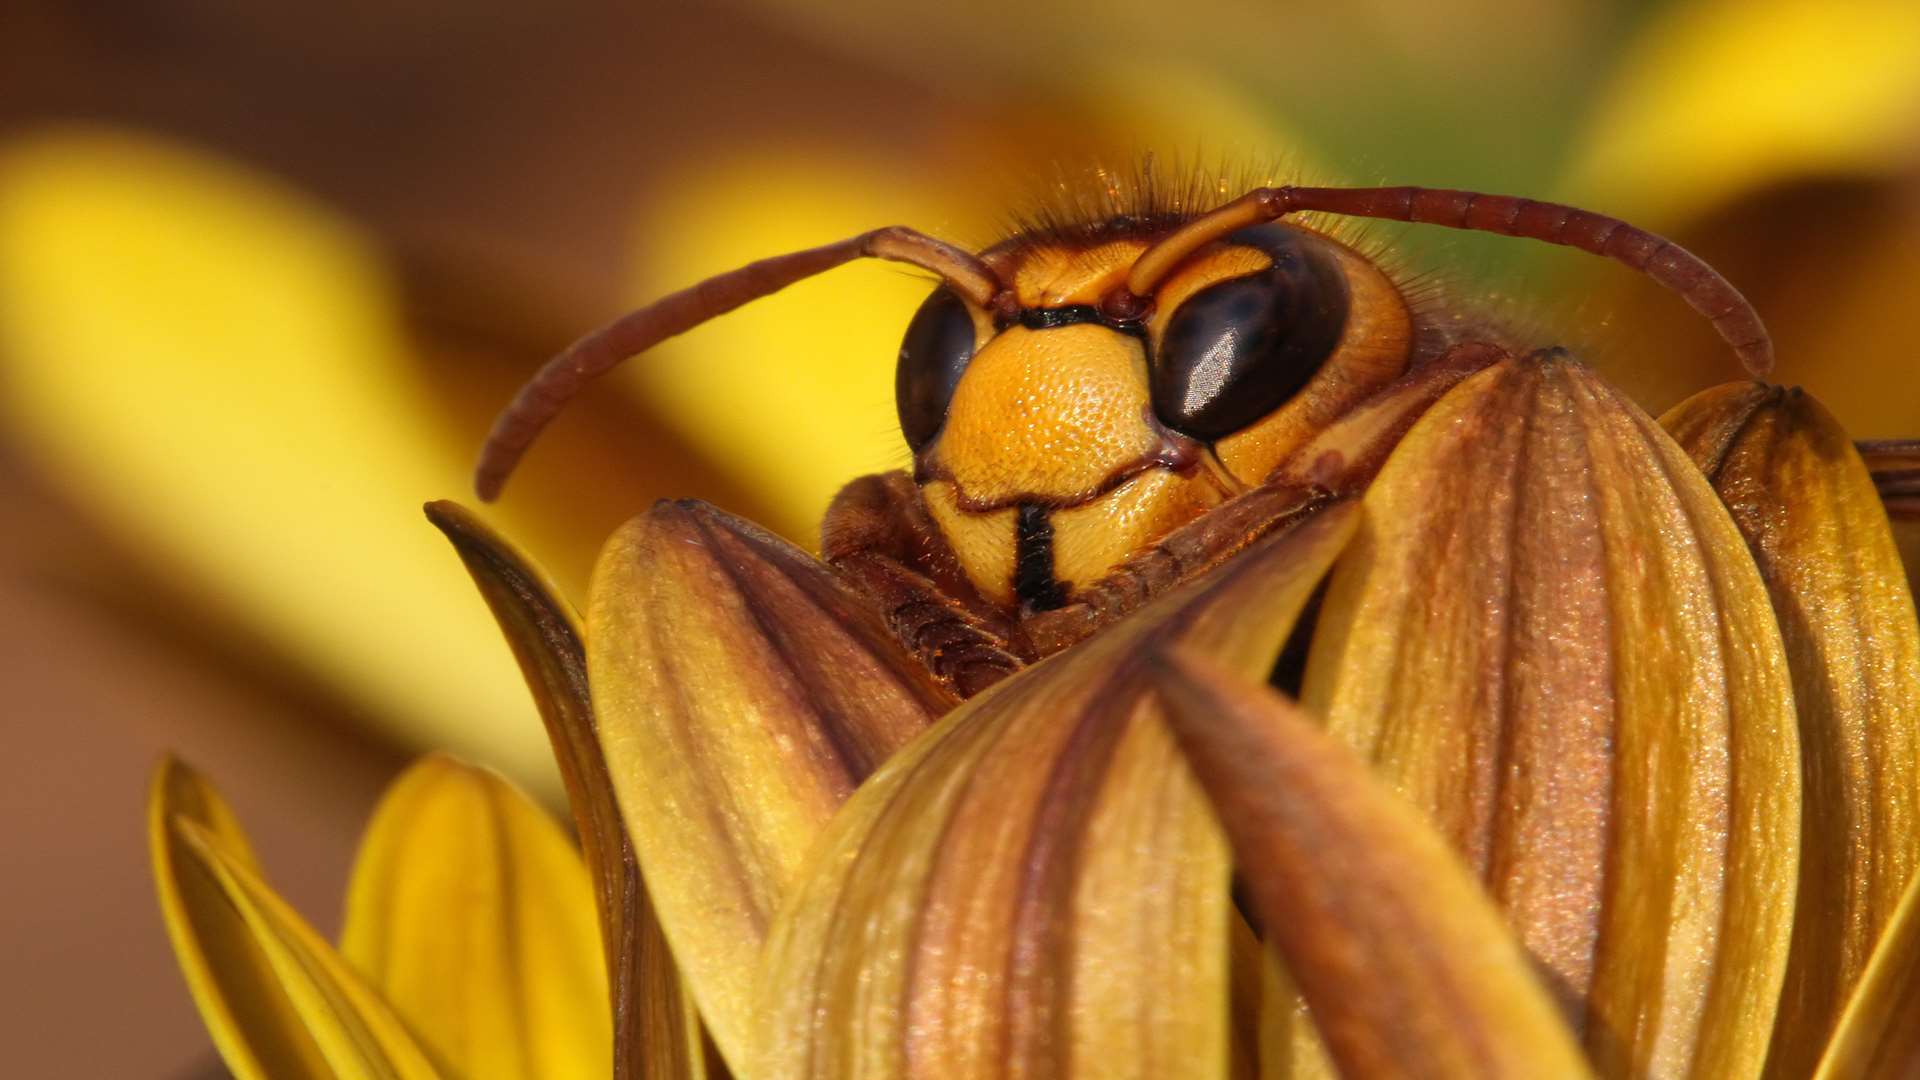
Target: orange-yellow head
1055, 436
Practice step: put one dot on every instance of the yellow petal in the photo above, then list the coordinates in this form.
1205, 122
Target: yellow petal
743, 693
1722, 96
657, 1030
1408, 967
252, 1023
472, 913
1550, 636
1877, 1036
810, 367
217, 367
276, 997
1807, 506
1247, 972
1035, 886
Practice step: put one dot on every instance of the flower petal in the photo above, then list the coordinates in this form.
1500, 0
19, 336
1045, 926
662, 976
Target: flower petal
1034, 886
212, 363
472, 913
1247, 972
743, 693
1876, 1035
656, 1027
1407, 966
1721, 96
252, 1023
1895, 467
1550, 636
1807, 506
836, 337
279, 1001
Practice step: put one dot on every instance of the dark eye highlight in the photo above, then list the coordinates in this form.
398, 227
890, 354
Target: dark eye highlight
933, 356
1237, 350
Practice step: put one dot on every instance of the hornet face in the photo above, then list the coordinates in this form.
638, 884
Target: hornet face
1051, 444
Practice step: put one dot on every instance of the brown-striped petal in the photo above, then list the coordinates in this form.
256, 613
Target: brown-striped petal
743, 694
472, 914
1247, 974
1549, 635
1877, 1035
1036, 887
1808, 508
656, 1032
278, 1000
1894, 465
1407, 966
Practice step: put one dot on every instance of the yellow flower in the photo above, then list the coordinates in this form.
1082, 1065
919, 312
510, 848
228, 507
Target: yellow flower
470, 947
158, 297
1638, 711
1641, 709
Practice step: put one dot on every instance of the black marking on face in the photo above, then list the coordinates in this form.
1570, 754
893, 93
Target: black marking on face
1033, 580
1046, 318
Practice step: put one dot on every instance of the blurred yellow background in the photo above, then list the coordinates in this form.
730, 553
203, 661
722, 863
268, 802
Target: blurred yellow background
265, 274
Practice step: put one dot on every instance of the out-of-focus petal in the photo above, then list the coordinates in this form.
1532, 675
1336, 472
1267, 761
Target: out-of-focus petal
1894, 467
1876, 1036
1827, 261
471, 912
1377, 83
1896, 470
1408, 967
810, 367
216, 366
1550, 636
1907, 535
1036, 886
1804, 501
1718, 97
656, 1028
279, 1001
743, 693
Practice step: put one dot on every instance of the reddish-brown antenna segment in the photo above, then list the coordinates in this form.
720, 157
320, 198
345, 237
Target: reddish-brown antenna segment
1666, 262
601, 351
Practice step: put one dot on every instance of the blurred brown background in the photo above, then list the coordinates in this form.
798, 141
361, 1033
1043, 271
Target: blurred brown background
265, 272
